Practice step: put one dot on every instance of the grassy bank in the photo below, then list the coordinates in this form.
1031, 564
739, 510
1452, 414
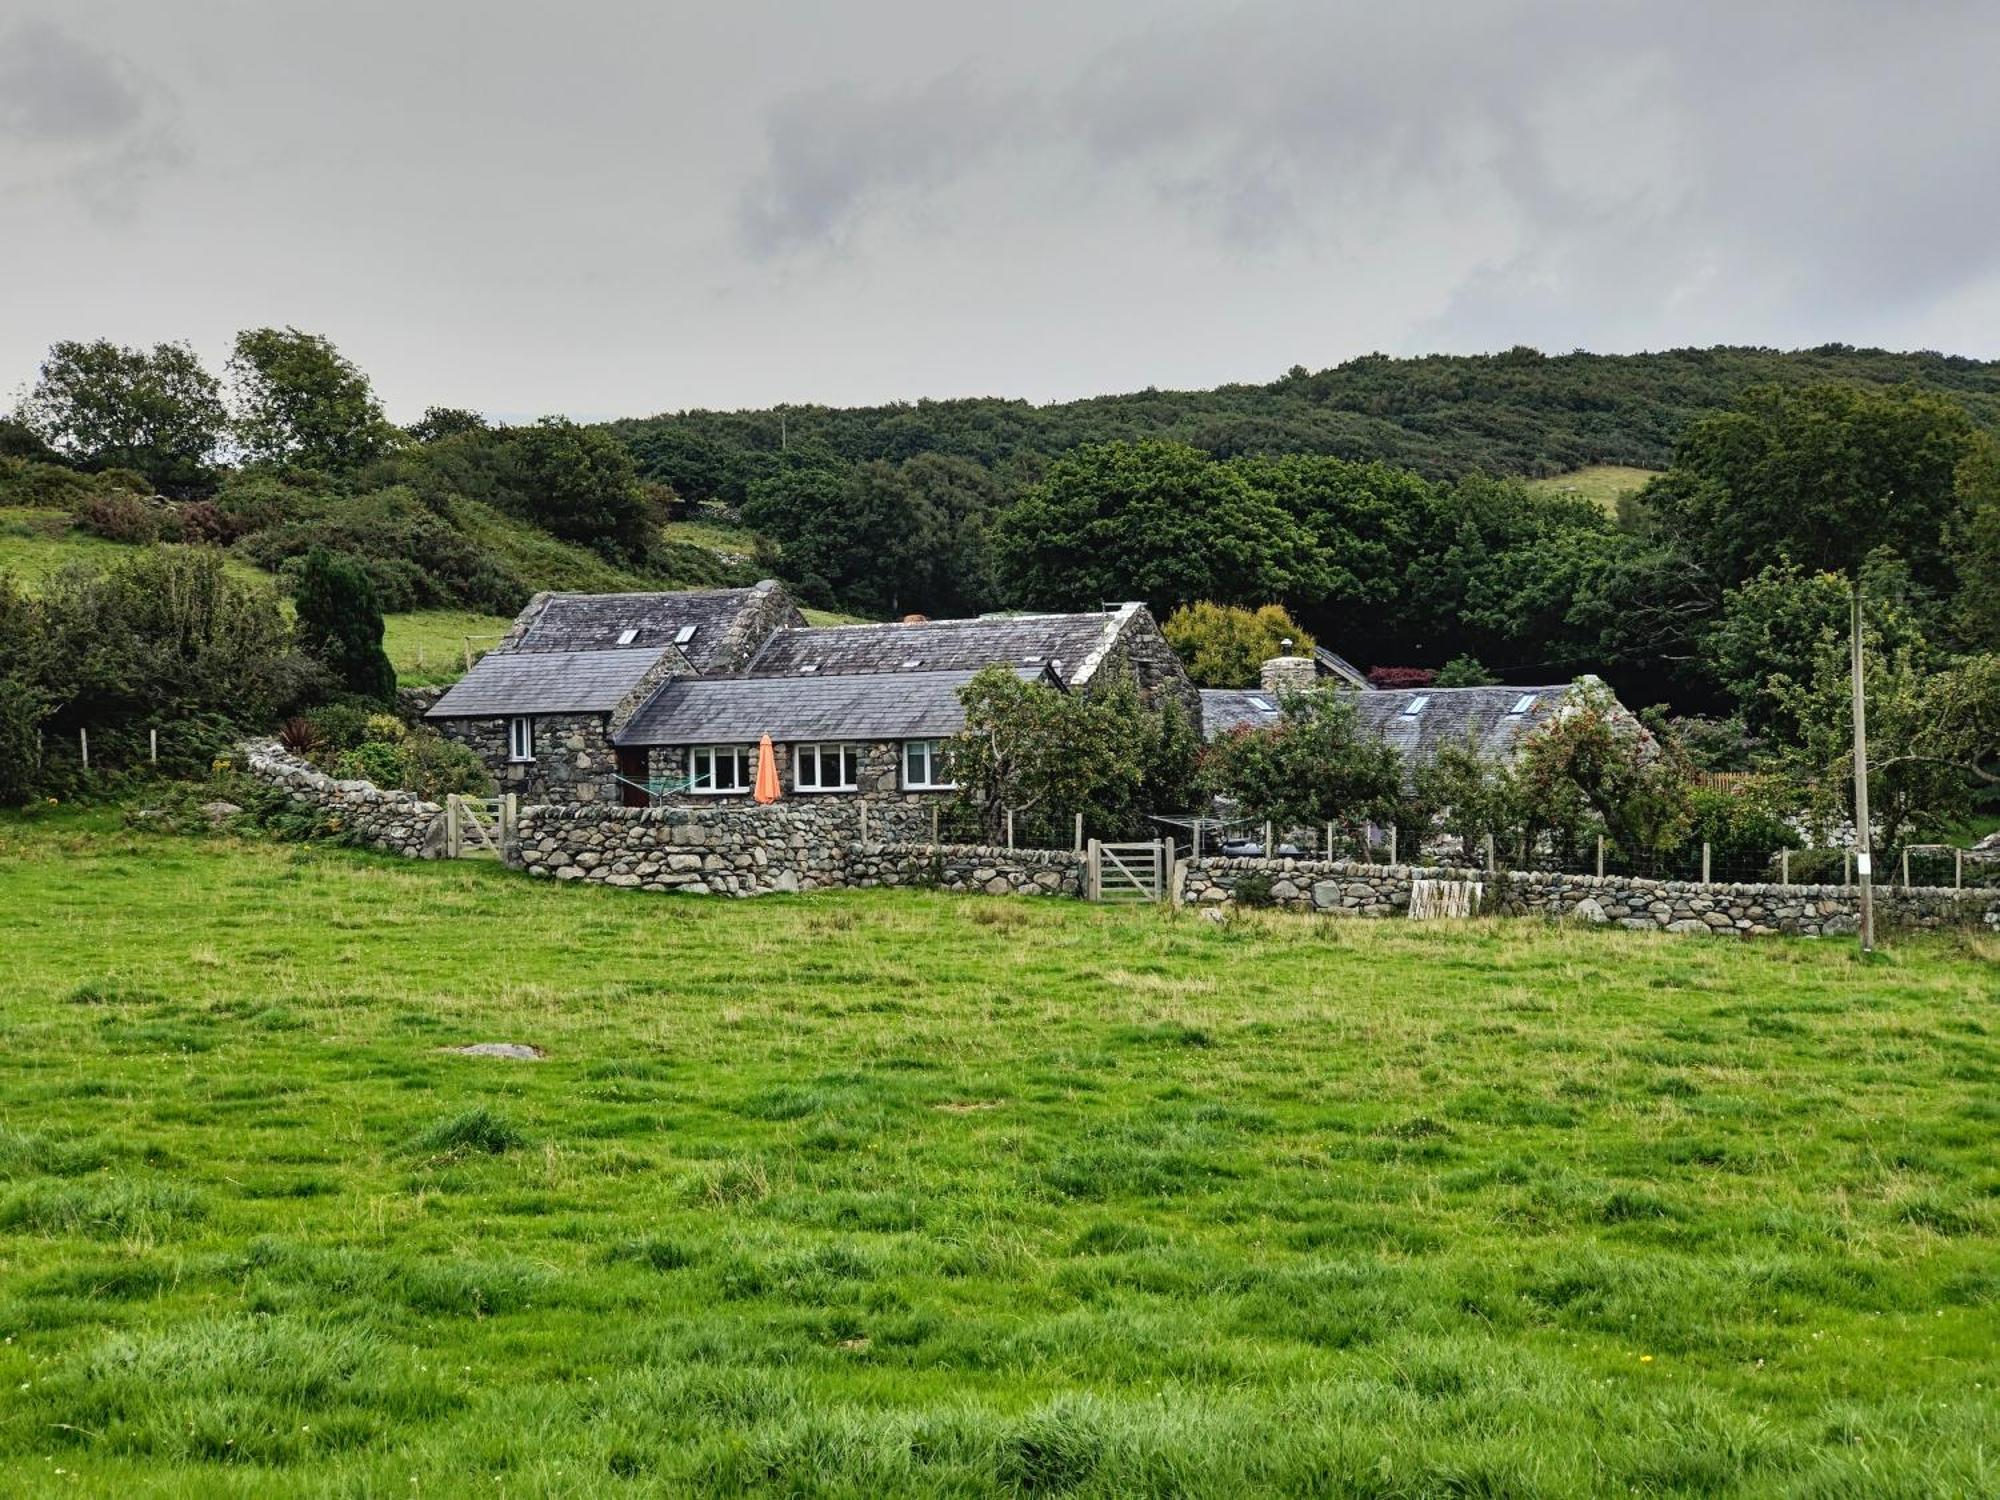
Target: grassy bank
892, 1193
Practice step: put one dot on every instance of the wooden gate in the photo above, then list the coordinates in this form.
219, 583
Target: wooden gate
478, 827
1126, 872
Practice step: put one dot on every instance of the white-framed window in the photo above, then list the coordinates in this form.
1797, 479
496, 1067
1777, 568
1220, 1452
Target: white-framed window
521, 738
826, 768
717, 769
927, 766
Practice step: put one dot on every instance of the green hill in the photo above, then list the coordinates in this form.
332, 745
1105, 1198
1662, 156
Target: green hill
1519, 413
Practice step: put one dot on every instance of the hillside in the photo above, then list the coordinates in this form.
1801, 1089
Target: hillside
1520, 413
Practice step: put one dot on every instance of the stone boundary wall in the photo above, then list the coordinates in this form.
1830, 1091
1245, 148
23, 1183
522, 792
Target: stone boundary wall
392, 821
756, 851
1342, 887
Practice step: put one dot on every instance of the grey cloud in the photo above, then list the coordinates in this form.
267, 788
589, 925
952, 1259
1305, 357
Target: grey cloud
835, 156
56, 90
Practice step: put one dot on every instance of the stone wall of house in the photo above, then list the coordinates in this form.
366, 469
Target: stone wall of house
893, 813
574, 758
379, 818
1154, 665
1341, 887
798, 845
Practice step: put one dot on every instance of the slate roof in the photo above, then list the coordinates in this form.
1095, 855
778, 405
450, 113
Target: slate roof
936, 645
1484, 717
1224, 709
545, 682
1333, 664
593, 622
837, 706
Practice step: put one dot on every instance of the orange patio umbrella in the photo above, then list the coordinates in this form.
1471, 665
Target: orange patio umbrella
767, 772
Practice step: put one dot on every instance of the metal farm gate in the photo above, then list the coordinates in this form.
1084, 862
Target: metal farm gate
1127, 872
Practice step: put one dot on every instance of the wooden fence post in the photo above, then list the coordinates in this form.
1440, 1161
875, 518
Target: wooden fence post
468, 653
1328, 854
1270, 848
1010, 828
1958, 869
934, 823
153, 746
1392, 843
1785, 866
1492, 864
451, 826
1704, 861
1079, 833
1600, 856
1090, 871
83, 745
1906, 867
1195, 847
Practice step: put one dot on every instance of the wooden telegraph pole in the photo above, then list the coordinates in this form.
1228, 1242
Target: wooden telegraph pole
1863, 830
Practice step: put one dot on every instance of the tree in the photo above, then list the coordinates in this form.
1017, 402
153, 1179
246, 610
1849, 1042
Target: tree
1314, 766
1464, 671
340, 622
446, 421
1933, 733
1156, 521
1820, 477
1976, 545
299, 401
101, 406
578, 483
1035, 748
1594, 756
1224, 646
1472, 797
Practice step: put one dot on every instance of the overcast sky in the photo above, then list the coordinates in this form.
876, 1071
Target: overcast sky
605, 208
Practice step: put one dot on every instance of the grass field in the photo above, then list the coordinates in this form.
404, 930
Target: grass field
1601, 484
888, 1193
428, 646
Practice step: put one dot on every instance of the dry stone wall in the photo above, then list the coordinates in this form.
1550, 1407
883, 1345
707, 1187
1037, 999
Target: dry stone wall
1339, 887
380, 818
734, 851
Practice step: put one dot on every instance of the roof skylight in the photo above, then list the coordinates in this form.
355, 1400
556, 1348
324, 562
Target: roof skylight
1262, 705
1415, 706
1522, 704
684, 635
628, 636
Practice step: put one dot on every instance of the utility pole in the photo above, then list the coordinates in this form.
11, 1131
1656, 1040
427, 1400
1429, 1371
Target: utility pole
1863, 831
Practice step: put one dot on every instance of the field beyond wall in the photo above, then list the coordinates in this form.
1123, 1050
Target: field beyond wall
893, 1193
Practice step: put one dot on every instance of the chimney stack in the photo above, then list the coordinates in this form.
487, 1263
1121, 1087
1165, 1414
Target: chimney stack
1289, 674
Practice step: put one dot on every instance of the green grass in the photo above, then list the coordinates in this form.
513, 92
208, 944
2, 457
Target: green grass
885, 1193
428, 646
1601, 484
713, 536
36, 543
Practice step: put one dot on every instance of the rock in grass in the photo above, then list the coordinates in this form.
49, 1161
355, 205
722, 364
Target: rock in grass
520, 1051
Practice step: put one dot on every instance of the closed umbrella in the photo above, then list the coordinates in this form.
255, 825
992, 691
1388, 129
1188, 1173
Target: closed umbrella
767, 771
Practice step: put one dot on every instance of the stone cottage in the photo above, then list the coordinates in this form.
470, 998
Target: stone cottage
540, 708
662, 698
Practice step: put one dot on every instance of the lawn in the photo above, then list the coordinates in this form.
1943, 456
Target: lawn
884, 1193
1601, 484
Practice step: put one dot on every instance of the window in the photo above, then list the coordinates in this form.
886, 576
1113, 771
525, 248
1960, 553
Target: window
721, 768
826, 768
1415, 707
684, 635
1522, 704
627, 637
521, 738
1262, 705
927, 765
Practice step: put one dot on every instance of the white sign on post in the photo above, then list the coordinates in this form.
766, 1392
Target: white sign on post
1861, 865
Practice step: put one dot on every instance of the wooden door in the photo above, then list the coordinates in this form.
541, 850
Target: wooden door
632, 778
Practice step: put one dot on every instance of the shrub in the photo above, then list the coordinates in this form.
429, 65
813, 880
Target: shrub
1401, 677
1254, 890
340, 726
120, 517
435, 767
387, 727
372, 760
300, 735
